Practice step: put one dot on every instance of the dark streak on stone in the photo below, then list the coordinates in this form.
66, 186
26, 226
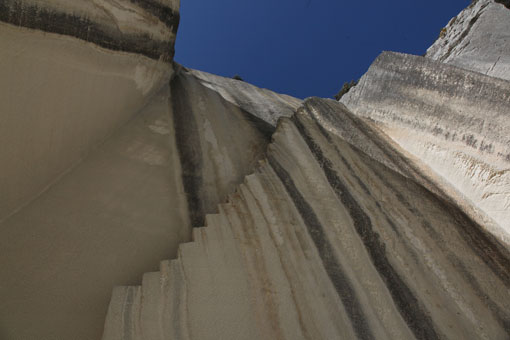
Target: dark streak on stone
333, 268
16, 13
167, 16
326, 135
500, 315
261, 125
190, 152
505, 3
409, 306
485, 244
363, 186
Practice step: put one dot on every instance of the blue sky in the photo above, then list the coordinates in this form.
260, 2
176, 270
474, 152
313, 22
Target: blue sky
304, 47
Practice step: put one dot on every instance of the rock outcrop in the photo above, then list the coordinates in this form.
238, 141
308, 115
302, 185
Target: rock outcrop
453, 120
222, 128
72, 73
146, 27
324, 241
384, 218
264, 104
477, 39
88, 179
95, 169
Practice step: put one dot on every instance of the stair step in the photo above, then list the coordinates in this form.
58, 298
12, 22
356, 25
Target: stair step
174, 313
219, 294
214, 230
152, 306
123, 316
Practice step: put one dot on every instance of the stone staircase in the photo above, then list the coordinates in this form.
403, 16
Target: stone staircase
333, 237
227, 276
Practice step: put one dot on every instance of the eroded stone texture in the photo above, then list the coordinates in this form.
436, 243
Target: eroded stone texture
146, 27
453, 120
220, 139
123, 192
326, 241
477, 39
262, 103
59, 98
72, 73
113, 216
326, 228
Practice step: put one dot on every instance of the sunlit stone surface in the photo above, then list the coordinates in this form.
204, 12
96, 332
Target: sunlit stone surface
253, 215
477, 39
453, 120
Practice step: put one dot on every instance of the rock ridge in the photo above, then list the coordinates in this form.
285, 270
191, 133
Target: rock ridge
432, 110
307, 248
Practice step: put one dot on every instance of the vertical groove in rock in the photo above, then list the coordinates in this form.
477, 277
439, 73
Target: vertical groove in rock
388, 257
190, 153
410, 307
331, 264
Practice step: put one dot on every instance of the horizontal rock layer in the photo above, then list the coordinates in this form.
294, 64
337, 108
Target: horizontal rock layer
146, 27
59, 99
103, 175
324, 241
90, 185
478, 39
455, 121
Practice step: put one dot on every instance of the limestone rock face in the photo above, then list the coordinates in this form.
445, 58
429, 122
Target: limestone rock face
105, 165
222, 129
124, 207
274, 218
264, 104
112, 216
146, 27
325, 241
477, 39
453, 120
64, 89
88, 179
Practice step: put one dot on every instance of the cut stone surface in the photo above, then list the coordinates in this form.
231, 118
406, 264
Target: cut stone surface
144, 27
100, 190
271, 218
59, 98
453, 120
220, 139
478, 39
116, 214
325, 242
264, 104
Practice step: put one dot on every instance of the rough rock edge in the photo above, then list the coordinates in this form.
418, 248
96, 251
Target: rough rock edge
449, 191
461, 42
417, 319
20, 14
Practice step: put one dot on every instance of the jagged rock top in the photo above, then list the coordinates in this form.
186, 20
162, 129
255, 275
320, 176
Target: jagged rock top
477, 39
262, 103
